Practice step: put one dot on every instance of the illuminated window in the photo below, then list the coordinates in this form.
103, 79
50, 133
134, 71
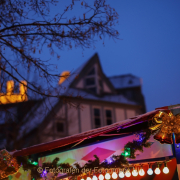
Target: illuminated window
97, 118
108, 117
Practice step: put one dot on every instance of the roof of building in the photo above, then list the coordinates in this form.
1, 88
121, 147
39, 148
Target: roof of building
116, 98
37, 117
88, 134
125, 81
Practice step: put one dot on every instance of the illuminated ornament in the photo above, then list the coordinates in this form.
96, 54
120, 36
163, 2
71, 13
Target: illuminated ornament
167, 124
43, 173
88, 178
121, 174
127, 152
101, 177
127, 173
157, 170
164, 138
150, 171
114, 175
94, 177
107, 176
141, 172
165, 169
134, 172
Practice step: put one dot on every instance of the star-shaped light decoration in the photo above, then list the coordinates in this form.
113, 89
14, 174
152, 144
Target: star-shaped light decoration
166, 124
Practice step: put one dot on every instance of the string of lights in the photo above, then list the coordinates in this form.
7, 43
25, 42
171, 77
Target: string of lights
134, 170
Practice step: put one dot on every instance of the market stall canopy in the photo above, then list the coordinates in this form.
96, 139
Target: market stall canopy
103, 131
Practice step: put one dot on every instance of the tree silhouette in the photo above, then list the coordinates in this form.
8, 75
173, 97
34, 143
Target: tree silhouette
27, 27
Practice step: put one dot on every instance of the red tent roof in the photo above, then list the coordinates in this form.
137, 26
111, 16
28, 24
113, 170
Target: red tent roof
86, 135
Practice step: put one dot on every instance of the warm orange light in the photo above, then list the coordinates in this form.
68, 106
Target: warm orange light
160, 113
170, 114
10, 97
64, 76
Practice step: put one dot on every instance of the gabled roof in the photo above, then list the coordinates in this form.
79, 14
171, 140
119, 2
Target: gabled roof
94, 59
125, 81
88, 134
116, 98
37, 115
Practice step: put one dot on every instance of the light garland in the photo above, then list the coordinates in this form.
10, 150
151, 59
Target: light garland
127, 173
121, 174
114, 175
94, 177
149, 171
88, 178
136, 169
134, 172
157, 171
165, 169
116, 160
141, 172
101, 177
107, 176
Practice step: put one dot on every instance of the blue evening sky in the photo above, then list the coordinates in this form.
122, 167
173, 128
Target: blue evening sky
149, 48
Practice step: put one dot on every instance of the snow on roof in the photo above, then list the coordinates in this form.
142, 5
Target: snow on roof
109, 98
38, 113
35, 119
125, 81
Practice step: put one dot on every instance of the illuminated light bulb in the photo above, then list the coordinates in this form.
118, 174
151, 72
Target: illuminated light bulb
114, 175
141, 172
88, 178
165, 170
107, 176
121, 174
150, 171
134, 172
157, 170
127, 173
101, 177
94, 178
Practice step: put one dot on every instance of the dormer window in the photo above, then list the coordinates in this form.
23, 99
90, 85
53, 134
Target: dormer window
92, 72
93, 80
90, 81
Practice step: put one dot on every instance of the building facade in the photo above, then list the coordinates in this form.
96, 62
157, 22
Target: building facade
88, 100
